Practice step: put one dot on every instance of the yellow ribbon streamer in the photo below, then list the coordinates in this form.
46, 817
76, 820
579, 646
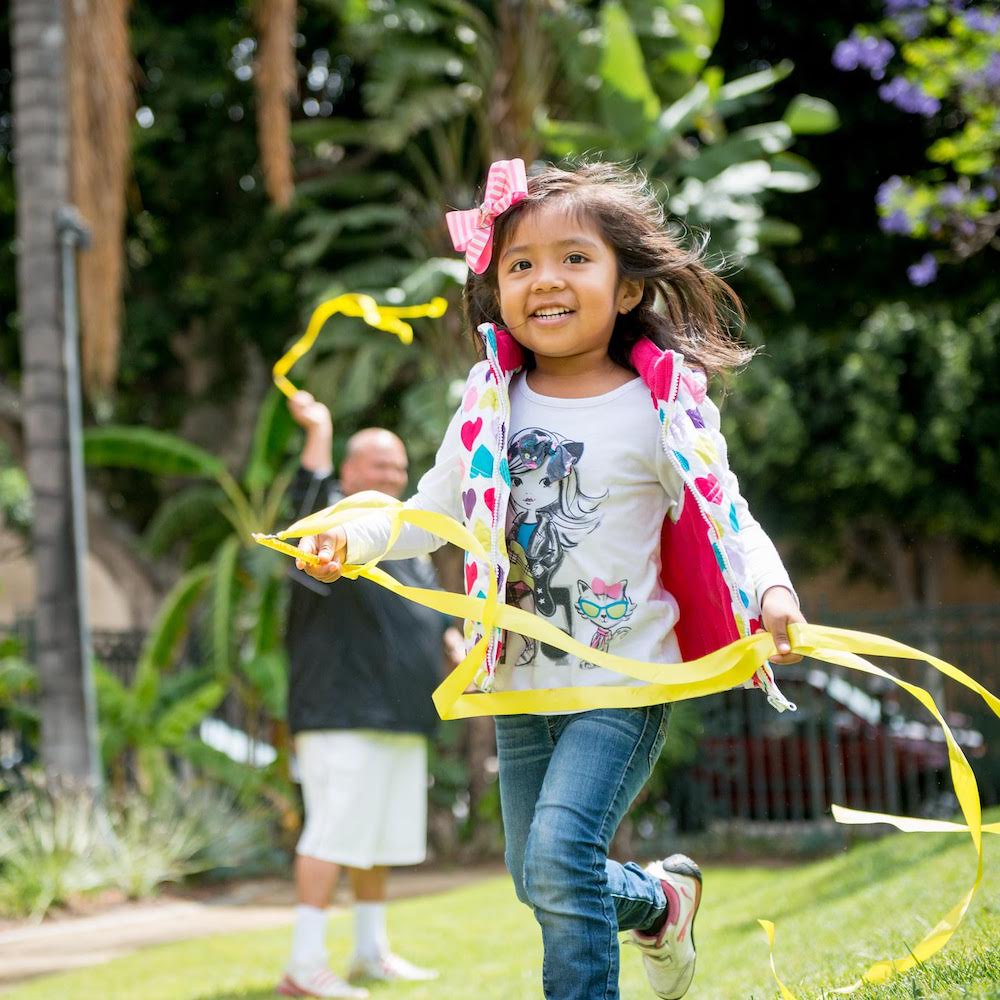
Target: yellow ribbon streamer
388, 318
722, 670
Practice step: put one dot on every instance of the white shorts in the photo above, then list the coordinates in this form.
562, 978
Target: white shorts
365, 797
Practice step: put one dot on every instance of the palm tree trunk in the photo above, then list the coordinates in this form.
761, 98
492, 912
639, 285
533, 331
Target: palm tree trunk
42, 183
276, 83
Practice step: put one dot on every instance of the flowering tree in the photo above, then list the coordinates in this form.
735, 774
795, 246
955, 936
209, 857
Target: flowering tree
940, 60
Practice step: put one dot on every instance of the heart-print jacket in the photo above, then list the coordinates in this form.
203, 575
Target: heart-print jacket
712, 550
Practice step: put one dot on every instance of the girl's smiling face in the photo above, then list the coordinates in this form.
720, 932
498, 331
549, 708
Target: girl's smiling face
559, 289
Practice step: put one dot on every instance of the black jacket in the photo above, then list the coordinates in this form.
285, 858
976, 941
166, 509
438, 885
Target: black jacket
361, 657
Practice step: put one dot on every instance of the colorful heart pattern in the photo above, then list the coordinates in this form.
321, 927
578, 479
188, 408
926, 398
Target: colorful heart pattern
470, 431
691, 442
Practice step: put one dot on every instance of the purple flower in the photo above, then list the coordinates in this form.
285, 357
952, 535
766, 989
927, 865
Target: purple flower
923, 272
950, 195
887, 189
978, 20
909, 97
869, 52
897, 224
847, 54
989, 192
899, 6
991, 75
911, 24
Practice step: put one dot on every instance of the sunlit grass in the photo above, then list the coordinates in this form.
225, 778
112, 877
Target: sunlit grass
834, 918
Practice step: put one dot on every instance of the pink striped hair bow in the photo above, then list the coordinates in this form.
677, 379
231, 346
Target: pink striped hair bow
472, 230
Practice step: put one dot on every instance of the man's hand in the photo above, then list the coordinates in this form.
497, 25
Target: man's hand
778, 610
331, 548
309, 413
454, 645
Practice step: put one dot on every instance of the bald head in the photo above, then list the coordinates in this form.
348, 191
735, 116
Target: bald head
375, 460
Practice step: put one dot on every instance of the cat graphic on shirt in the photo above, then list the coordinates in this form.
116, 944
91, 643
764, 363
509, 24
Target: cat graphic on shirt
607, 607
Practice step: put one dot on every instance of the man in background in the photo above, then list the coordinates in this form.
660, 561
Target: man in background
364, 663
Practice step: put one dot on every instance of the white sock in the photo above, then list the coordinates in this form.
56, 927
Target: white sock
309, 938
370, 938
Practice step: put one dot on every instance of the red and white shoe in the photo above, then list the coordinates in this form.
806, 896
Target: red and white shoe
318, 983
669, 955
388, 968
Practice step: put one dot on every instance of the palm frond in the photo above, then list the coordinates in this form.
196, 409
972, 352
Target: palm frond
181, 516
224, 605
165, 636
271, 435
148, 450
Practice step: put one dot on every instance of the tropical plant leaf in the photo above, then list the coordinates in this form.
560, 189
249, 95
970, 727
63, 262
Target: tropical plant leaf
430, 106
271, 435
268, 673
113, 713
767, 275
178, 720
345, 186
753, 143
320, 230
436, 276
687, 32
267, 628
336, 131
17, 678
242, 778
807, 115
224, 605
777, 232
410, 63
732, 95
790, 172
180, 516
627, 97
150, 450
566, 138
677, 117
165, 636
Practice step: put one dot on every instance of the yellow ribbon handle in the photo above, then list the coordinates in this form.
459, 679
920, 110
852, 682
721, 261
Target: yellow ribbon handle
388, 318
664, 682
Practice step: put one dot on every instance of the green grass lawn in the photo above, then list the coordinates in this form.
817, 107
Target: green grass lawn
833, 917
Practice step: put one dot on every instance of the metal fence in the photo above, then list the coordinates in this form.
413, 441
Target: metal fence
247, 730
855, 740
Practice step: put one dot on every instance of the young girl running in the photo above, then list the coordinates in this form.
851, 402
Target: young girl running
609, 514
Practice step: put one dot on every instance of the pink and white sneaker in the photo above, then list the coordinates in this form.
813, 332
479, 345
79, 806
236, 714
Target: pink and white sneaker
318, 983
388, 968
669, 955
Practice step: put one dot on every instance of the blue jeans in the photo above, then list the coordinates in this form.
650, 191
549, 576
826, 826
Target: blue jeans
566, 781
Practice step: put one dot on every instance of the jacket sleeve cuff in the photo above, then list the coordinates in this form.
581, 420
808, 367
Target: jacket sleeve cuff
364, 543
775, 580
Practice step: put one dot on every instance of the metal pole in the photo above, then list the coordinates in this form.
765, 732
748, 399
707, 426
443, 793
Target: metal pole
73, 235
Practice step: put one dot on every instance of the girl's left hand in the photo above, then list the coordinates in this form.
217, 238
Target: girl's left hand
778, 610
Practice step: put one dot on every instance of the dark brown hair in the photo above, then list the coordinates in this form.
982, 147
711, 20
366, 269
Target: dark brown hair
697, 309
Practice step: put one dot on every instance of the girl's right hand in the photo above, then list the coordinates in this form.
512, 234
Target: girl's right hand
331, 548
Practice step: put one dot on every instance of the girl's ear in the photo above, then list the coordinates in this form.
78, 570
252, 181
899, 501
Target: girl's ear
629, 294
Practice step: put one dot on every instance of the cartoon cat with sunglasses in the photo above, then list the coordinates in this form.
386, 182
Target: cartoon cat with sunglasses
608, 607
